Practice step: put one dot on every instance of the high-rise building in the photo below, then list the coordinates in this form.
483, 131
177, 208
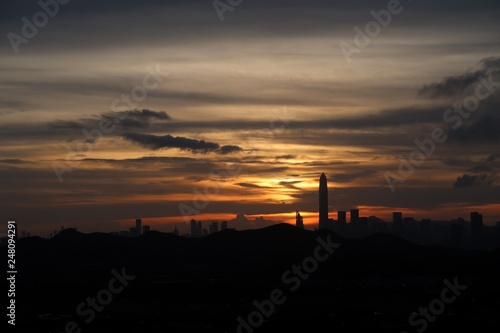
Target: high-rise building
223, 225
323, 202
146, 229
138, 226
199, 229
354, 215
299, 220
342, 216
193, 228
214, 227
397, 223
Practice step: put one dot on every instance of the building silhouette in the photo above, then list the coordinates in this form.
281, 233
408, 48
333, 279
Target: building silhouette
354, 215
323, 202
341, 216
194, 229
397, 223
299, 220
146, 229
476, 228
138, 227
214, 227
223, 225
199, 229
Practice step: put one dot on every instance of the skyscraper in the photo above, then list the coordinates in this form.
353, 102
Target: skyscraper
341, 216
138, 227
323, 202
194, 230
476, 228
354, 215
213, 228
299, 220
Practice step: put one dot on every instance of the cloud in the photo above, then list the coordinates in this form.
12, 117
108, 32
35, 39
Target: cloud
480, 175
470, 180
480, 168
125, 119
155, 142
13, 161
224, 150
486, 128
61, 124
493, 158
290, 184
249, 185
348, 177
285, 157
146, 114
136, 118
453, 86
167, 141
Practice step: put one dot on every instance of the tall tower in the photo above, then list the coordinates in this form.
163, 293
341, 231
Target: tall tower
323, 202
476, 227
138, 227
299, 220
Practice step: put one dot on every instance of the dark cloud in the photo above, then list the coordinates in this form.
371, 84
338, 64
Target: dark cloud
167, 141
149, 160
486, 129
249, 185
493, 158
285, 157
491, 62
136, 118
146, 114
155, 142
14, 161
470, 180
124, 119
224, 150
291, 184
453, 86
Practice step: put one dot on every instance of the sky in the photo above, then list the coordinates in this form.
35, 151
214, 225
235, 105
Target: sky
172, 110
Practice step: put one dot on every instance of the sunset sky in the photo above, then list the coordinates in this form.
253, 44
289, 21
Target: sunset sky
151, 104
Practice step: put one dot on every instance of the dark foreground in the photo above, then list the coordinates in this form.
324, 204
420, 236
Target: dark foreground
164, 283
